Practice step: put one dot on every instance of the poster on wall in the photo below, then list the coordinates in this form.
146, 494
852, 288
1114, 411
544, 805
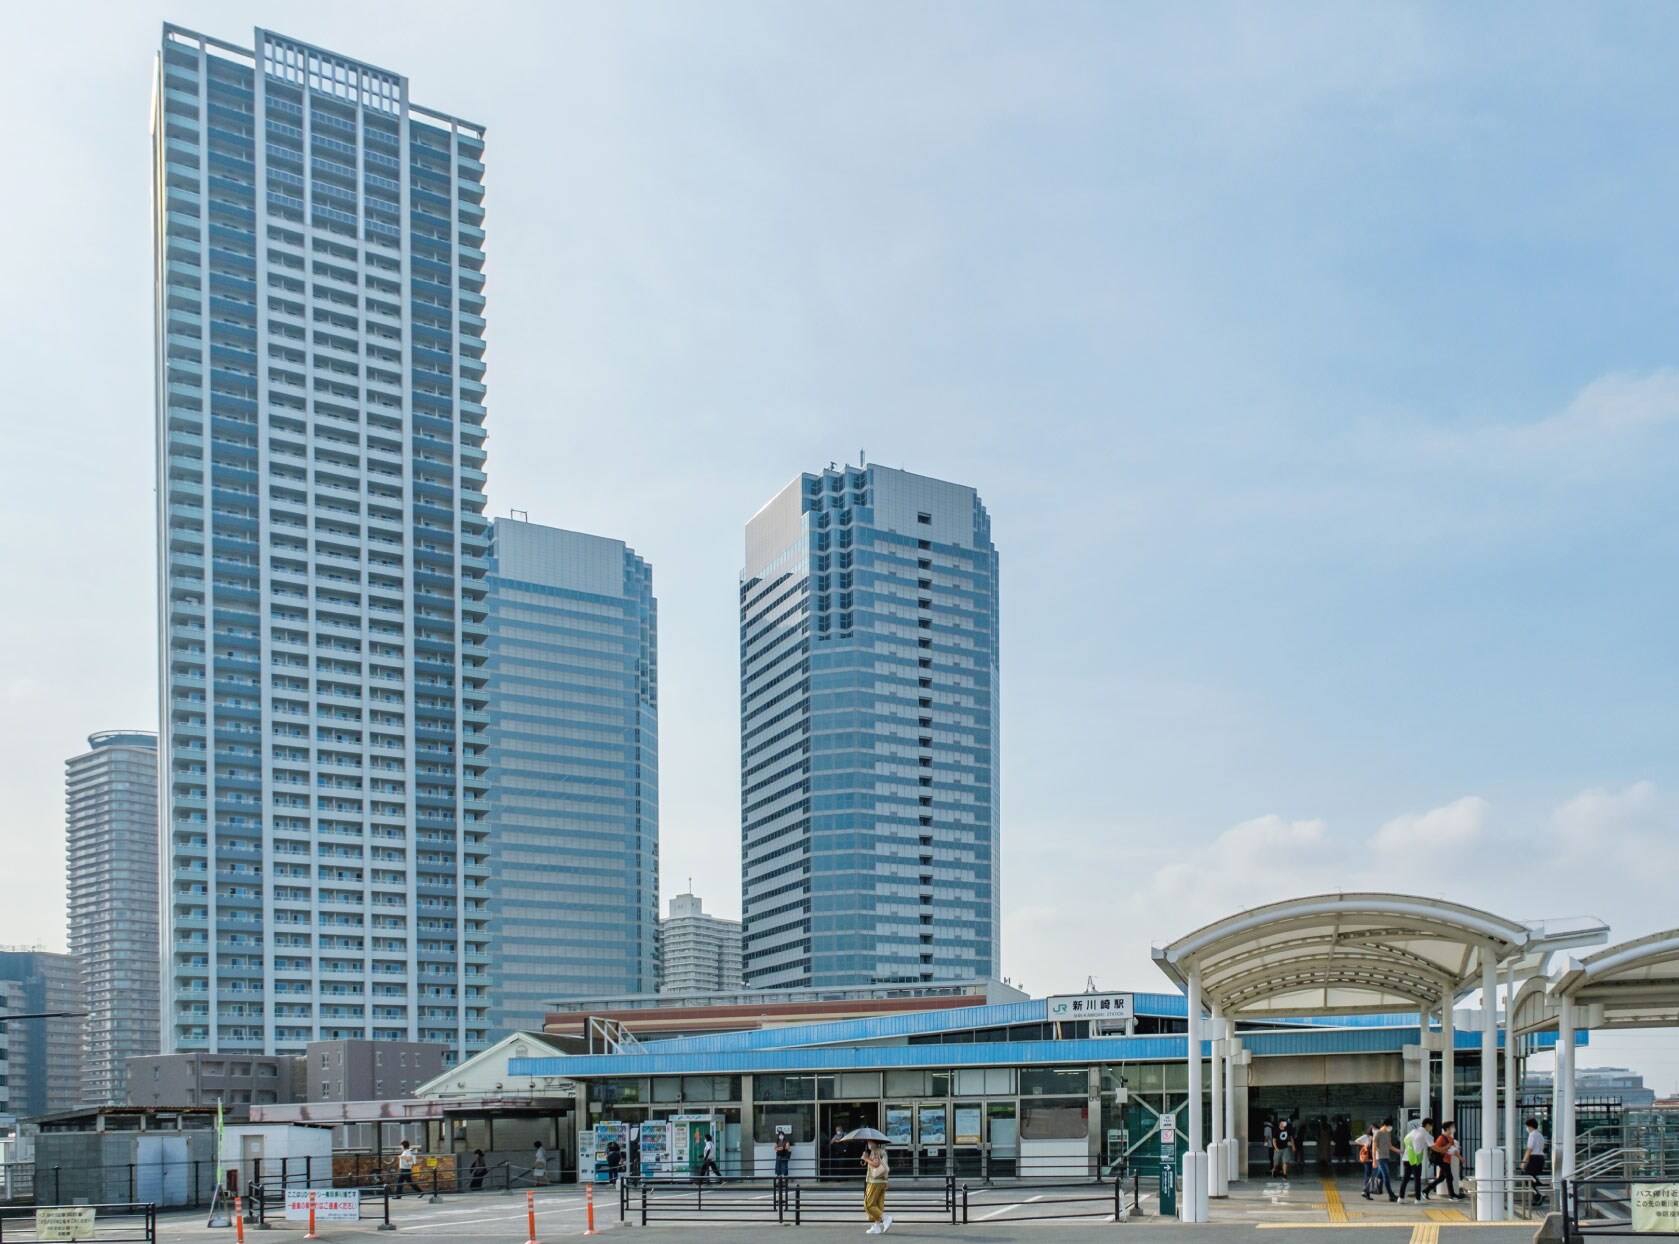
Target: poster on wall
897, 1125
967, 1125
932, 1126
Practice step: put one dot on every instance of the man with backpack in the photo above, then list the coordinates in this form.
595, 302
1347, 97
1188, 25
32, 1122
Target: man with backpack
1417, 1141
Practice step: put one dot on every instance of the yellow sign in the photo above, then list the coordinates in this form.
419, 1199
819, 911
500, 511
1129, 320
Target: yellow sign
64, 1222
431, 1162
1655, 1208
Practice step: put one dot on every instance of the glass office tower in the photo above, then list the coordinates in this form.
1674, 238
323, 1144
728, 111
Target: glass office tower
110, 850
574, 770
868, 627
322, 550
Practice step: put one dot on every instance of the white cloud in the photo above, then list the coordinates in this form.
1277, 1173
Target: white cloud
1614, 403
1454, 826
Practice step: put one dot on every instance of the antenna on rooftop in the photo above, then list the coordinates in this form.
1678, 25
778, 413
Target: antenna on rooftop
862, 458
1090, 984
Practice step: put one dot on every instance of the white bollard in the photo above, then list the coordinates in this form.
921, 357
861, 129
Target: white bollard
1489, 1185
1216, 1184
1201, 1214
1186, 1190
1232, 1169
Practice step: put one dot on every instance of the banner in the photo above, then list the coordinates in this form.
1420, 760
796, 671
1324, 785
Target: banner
64, 1222
1655, 1208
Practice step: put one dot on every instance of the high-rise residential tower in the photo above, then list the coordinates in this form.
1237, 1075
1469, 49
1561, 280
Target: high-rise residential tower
698, 953
869, 641
574, 765
43, 1064
322, 549
110, 816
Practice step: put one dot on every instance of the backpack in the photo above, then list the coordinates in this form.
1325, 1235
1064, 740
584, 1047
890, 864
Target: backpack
1364, 1152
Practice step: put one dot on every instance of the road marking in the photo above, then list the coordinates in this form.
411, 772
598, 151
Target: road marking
1425, 1233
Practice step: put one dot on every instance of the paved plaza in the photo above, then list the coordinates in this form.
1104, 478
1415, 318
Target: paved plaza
1321, 1210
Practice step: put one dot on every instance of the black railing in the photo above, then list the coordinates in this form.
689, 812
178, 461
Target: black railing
798, 1201
267, 1201
136, 1224
1610, 1206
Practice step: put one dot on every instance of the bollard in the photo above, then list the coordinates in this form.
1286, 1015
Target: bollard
239, 1219
530, 1215
589, 1205
312, 1234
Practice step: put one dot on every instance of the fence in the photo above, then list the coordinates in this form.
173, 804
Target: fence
136, 1224
790, 1200
1619, 1205
32, 1183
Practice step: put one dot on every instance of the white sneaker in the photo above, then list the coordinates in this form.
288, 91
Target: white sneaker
874, 1230
886, 1224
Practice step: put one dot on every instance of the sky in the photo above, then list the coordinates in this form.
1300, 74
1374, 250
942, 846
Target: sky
1316, 362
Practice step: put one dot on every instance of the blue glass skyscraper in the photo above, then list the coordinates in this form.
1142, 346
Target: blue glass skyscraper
574, 770
322, 548
869, 663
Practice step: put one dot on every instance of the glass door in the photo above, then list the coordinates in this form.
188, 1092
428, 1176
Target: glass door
932, 1138
1002, 1153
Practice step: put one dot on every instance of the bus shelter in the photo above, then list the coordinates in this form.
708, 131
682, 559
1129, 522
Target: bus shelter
1332, 955
1631, 985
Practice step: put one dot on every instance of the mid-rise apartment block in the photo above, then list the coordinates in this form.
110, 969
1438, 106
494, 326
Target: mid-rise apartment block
110, 817
574, 762
698, 953
319, 255
368, 1070
44, 1056
869, 747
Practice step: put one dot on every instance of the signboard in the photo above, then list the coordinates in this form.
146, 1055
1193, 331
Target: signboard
1655, 1208
64, 1222
1168, 1132
1109, 1006
331, 1204
967, 1125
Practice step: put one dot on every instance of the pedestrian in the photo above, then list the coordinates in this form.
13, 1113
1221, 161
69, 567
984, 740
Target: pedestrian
708, 1158
876, 1172
1442, 1153
1417, 1141
614, 1161
480, 1168
1366, 1162
836, 1154
1533, 1165
1283, 1148
783, 1153
539, 1165
1271, 1143
405, 1170
1384, 1151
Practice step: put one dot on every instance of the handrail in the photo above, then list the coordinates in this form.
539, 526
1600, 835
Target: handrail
1603, 1163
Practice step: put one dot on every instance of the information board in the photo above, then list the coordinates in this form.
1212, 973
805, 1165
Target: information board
1109, 1006
1655, 1209
331, 1204
64, 1222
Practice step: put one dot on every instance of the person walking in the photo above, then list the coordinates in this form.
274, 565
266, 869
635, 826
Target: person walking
1533, 1165
480, 1168
875, 1174
1271, 1143
614, 1162
539, 1165
1442, 1153
708, 1158
405, 1170
783, 1153
1282, 1148
1366, 1161
1384, 1152
1417, 1141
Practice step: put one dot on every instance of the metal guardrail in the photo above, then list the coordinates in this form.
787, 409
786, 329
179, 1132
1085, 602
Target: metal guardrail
798, 1201
1604, 1206
261, 1199
142, 1231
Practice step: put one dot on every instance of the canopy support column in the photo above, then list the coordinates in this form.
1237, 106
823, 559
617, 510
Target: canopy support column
1510, 1083
1489, 1164
1192, 1205
1563, 1142
1424, 1097
1215, 1147
1231, 1168
1448, 1057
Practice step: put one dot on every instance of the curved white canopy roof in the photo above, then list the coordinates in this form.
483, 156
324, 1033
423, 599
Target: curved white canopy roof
1341, 954
1632, 985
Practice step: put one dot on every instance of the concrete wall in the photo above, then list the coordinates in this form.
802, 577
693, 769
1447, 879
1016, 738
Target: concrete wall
100, 1168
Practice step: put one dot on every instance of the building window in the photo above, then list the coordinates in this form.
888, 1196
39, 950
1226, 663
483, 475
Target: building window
924, 518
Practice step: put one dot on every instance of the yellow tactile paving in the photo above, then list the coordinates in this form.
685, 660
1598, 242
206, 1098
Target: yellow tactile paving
1447, 1215
1425, 1233
1332, 1201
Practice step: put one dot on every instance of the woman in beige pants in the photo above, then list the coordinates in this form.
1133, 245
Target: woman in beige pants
874, 1188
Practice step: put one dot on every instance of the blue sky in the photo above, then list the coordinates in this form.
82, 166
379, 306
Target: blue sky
1316, 362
